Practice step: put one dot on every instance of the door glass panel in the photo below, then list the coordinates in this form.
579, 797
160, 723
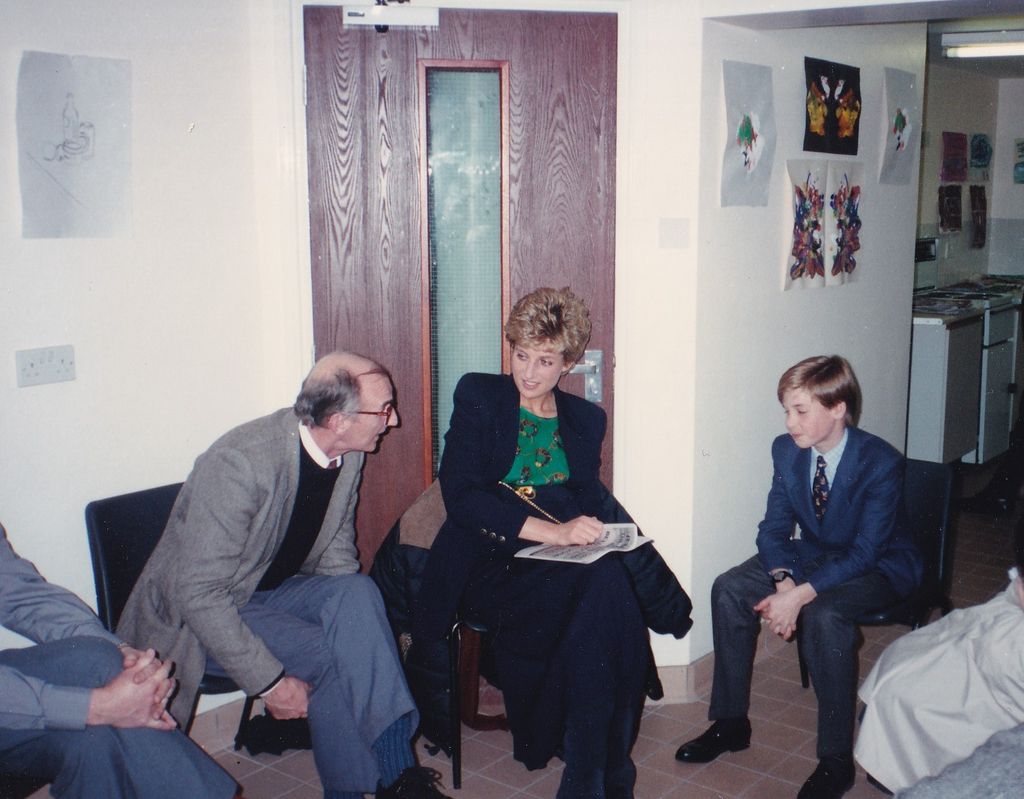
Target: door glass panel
464, 229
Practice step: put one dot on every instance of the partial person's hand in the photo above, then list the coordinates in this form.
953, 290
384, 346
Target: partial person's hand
579, 531
782, 609
137, 697
129, 655
289, 699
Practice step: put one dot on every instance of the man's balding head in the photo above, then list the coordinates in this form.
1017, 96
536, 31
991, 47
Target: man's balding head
332, 386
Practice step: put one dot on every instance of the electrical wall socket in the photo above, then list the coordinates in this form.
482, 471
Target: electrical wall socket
45, 365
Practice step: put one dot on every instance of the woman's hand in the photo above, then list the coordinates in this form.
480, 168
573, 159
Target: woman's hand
578, 531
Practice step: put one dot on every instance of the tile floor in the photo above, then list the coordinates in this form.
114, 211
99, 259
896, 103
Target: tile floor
783, 714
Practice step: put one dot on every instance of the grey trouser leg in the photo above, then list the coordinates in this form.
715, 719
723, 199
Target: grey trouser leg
333, 633
102, 762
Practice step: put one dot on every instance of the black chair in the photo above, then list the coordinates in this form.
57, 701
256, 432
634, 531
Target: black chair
123, 532
927, 494
465, 641
17, 786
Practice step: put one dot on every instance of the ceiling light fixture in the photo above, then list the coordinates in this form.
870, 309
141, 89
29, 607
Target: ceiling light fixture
983, 44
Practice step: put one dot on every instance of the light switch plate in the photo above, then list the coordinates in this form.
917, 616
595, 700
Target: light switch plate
45, 365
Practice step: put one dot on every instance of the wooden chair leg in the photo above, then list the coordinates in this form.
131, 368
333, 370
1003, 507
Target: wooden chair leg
469, 684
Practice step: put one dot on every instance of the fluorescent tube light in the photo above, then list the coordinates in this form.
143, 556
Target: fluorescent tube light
983, 44
395, 16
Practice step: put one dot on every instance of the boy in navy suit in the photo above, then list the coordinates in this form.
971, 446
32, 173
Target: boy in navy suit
841, 489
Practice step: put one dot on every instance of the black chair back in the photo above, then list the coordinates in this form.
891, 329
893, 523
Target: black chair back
927, 494
123, 532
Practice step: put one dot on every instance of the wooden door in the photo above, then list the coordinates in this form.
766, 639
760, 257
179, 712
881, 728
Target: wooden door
366, 208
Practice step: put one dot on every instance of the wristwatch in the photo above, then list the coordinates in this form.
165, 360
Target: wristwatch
781, 574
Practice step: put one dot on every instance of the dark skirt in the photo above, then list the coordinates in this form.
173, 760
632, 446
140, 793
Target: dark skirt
571, 655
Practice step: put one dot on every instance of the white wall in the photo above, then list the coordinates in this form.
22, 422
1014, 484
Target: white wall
182, 330
748, 330
1006, 254
201, 319
959, 102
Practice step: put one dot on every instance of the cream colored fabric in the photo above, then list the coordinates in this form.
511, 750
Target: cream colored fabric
939, 692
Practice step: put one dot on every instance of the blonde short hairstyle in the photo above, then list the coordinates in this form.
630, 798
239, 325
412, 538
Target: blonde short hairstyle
550, 317
827, 378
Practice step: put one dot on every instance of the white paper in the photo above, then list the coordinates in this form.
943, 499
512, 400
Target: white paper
750, 133
74, 146
615, 538
903, 127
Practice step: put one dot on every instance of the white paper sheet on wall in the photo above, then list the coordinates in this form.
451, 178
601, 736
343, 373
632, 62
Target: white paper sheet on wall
74, 146
750, 133
902, 127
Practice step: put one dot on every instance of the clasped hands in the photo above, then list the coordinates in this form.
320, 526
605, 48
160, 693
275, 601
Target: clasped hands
137, 697
781, 609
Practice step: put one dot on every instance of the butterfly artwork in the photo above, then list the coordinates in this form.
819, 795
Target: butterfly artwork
833, 107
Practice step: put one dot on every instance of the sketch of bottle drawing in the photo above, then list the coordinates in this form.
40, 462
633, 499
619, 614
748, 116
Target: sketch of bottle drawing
78, 136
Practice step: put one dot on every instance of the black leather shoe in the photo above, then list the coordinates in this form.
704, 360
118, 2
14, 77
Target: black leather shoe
416, 782
725, 735
831, 779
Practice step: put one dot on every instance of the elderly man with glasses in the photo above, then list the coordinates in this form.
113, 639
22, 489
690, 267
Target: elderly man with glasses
256, 575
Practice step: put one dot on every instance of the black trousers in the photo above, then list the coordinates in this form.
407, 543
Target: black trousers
829, 638
571, 654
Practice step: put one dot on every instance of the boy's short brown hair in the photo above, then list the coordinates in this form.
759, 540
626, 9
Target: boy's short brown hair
827, 378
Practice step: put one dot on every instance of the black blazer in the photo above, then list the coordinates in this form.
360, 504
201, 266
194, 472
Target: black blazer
484, 519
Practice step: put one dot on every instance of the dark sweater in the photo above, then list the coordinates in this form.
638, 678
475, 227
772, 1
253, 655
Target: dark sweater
312, 497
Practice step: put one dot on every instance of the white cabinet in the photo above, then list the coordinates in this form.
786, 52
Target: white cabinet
998, 365
945, 373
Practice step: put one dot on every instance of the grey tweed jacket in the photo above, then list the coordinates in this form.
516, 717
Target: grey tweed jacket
224, 531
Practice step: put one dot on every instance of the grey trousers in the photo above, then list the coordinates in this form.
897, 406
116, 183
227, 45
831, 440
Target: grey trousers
102, 762
829, 638
333, 633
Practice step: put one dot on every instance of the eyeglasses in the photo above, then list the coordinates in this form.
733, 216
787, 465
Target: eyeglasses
384, 413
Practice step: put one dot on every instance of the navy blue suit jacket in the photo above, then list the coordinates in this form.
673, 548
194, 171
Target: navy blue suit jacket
484, 518
865, 526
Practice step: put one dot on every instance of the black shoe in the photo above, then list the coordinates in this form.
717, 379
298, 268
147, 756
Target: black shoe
831, 779
725, 735
416, 782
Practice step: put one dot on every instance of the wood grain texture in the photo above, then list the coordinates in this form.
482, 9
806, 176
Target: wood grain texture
363, 129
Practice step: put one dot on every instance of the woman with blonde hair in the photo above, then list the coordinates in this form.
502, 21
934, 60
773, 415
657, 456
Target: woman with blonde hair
520, 467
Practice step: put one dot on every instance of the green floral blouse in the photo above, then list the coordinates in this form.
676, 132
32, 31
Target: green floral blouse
540, 459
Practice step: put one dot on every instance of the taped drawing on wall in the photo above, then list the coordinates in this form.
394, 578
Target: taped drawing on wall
806, 260
903, 127
74, 146
825, 243
750, 133
843, 222
954, 157
833, 107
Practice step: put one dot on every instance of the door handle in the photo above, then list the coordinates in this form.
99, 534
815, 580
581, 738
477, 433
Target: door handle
592, 368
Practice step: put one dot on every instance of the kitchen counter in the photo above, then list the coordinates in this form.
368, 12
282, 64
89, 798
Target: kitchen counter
964, 351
